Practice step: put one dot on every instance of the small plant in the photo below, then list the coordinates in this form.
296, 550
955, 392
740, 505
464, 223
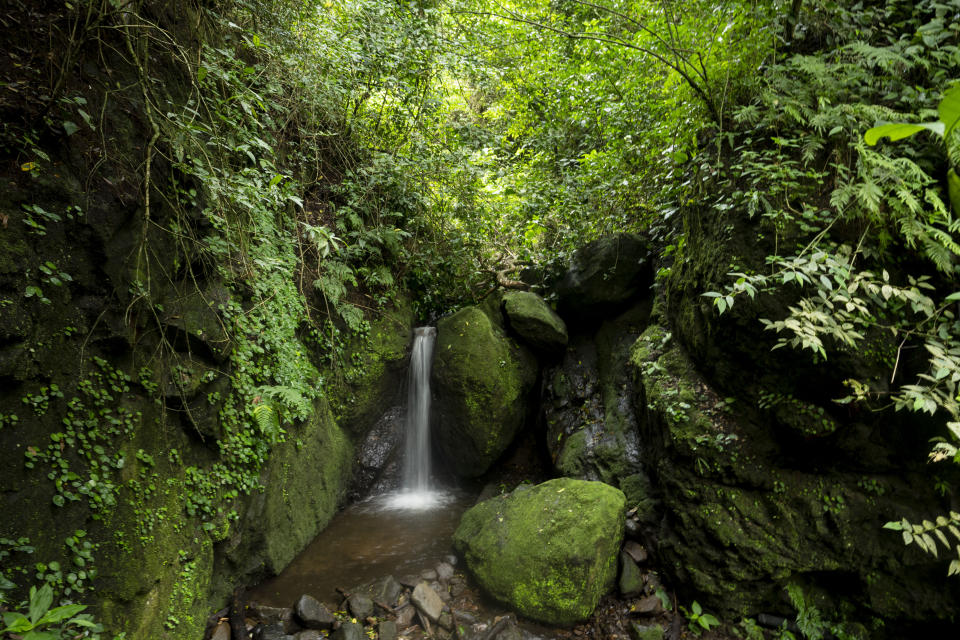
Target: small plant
697, 620
43, 623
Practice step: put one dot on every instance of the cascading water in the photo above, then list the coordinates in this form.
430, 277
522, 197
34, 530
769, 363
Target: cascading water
416, 492
416, 470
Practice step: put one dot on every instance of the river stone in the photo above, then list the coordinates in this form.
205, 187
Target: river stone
427, 601
386, 630
360, 605
312, 613
482, 379
385, 590
444, 571
309, 634
534, 321
646, 632
222, 631
349, 631
270, 632
636, 551
631, 578
405, 615
549, 551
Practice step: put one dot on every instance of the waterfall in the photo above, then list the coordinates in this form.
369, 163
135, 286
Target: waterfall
416, 470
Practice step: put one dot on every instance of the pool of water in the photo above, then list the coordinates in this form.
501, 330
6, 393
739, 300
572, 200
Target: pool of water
394, 534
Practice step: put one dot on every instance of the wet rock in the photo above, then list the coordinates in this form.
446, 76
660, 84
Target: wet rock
386, 630
312, 614
549, 551
603, 274
440, 590
482, 379
650, 605
349, 631
632, 528
427, 601
510, 631
429, 575
222, 631
444, 572
309, 634
360, 605
405, 615
457, 586
290, 623
534, 321
446, 621
375, 452
646, 632
270, 615
631, 578
270, 632
636, 551
410, 580
450, 559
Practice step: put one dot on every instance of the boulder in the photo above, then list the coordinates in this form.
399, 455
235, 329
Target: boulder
534, 321
312, 614
427, 601
481, 379
631, 578
360, 605
592, 430
548, 551
604, 274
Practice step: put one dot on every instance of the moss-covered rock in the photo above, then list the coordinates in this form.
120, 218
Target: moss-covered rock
588, 413
534, 321
742, 516
548, 551
481, 380
375, 368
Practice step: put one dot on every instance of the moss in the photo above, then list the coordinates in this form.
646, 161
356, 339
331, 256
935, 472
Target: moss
482, 379
534, 321
375, 369
549, 551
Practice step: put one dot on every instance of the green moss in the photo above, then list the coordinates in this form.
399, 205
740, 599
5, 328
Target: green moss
548, 551
482, 379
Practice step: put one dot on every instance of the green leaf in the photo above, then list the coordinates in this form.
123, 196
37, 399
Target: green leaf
61, 613
953, 297
949, 109
900, 130
69, 127
16, 622
896, 526
40, 601
41, 635
953, 190
201, 74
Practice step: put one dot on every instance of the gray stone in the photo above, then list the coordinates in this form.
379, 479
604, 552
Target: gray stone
312, 614
360, 605
427, 601
646, 632
405, 615
410, 580
349, 631
290, 623
386, 630
428, 575
446, 621
270, 632
440, 591
534, 321
631, 578
222, 631
385, 590
636, 551
270, 615
444, 572
604, 274
309, 634
651, 605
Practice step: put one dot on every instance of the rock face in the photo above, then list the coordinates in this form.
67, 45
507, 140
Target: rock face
603, 274
592, 430
548, 551
534, 321
743, 506
481, 380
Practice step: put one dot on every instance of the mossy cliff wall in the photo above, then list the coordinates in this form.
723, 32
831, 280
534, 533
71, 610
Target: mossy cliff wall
174, 421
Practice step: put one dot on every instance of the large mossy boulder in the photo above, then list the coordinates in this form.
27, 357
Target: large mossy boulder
604, 274
549, 551
481, 380
749, 507
534, 321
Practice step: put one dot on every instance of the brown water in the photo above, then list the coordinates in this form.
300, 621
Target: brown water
369, 540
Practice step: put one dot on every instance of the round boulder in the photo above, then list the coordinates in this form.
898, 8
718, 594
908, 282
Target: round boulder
481, 380
605, 273
534, 321
549, 551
